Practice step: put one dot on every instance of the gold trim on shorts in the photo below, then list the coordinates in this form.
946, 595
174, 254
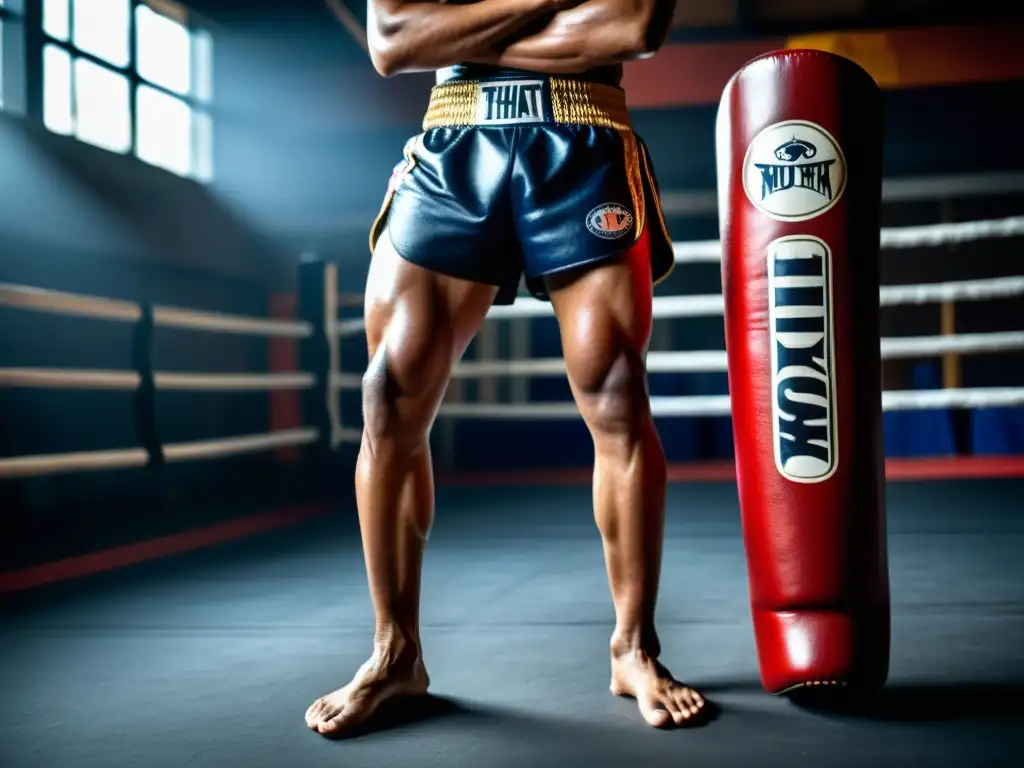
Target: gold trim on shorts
657, 208
409, 153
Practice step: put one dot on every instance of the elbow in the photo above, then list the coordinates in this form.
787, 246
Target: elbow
384, 56
384, 63
644, 41
646, 35
386, 45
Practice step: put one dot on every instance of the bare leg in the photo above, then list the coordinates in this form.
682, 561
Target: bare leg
605, 319
418, 324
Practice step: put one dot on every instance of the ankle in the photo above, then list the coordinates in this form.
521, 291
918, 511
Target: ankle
635, 642
395, 643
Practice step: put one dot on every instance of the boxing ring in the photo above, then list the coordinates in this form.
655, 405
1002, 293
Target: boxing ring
325, 329
212, 658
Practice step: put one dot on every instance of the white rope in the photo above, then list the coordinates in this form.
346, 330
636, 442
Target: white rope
348, 327
346, 381
715, 361
86, 461
219, 322
235, 382
235, 446
57, 378
922, 400
707, 405
67, 379
719, 405
80, 305
711, 361
964, 343
711, 305
657, 362
985, 289
698, 251
928, 235
25, 297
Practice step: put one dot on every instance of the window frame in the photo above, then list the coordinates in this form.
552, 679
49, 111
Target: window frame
193, 24
7, 16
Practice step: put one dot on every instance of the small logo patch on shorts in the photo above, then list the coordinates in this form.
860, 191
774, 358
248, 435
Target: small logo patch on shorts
609, 221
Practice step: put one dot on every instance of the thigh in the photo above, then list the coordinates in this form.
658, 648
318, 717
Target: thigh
604, 314
418, 322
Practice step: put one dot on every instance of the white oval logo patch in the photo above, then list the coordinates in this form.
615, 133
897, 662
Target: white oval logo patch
794, 171
802, 336
609, 221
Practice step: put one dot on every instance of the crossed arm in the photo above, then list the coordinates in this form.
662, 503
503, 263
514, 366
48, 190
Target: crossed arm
550, 36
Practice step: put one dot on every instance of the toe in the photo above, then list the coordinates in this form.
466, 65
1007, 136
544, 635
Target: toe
678, 709
695, 700
689, 702
654, 712
342, 721
313, 713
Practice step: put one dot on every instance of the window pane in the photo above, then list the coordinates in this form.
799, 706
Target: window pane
57, 90
100, 27
163, 134
102, 110
55, 19
203, 52
203, 153
162, 50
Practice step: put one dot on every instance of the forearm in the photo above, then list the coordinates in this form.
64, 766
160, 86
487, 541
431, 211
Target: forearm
595, 33
412, 36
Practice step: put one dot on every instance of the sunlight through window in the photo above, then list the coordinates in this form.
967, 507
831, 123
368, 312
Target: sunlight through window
100, 27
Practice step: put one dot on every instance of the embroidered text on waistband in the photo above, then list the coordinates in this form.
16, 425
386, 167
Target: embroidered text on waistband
519, 102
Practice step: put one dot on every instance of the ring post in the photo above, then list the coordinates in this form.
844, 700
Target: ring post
318, 354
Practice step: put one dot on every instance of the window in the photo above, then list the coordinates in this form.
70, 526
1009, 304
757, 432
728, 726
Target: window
130, 76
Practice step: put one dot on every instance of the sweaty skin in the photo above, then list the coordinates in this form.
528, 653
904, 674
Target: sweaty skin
419, 323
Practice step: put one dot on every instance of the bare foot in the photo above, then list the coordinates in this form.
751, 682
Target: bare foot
664, 702
385, 675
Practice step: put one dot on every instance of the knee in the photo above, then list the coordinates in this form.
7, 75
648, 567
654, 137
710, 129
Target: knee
612, 392
380, 398
399, 393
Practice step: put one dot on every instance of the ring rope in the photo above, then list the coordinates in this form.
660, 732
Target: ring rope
80, 305
719, 405
711, 305
710, 251
961, 343
984, 289
85, 461
712, 361
63, 378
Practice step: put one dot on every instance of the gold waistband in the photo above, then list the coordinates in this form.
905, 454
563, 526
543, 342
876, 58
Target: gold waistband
569, 101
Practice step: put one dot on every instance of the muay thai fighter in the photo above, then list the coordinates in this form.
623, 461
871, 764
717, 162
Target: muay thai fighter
526, 166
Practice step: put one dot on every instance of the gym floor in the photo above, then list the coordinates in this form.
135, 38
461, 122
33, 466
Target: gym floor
211, 658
